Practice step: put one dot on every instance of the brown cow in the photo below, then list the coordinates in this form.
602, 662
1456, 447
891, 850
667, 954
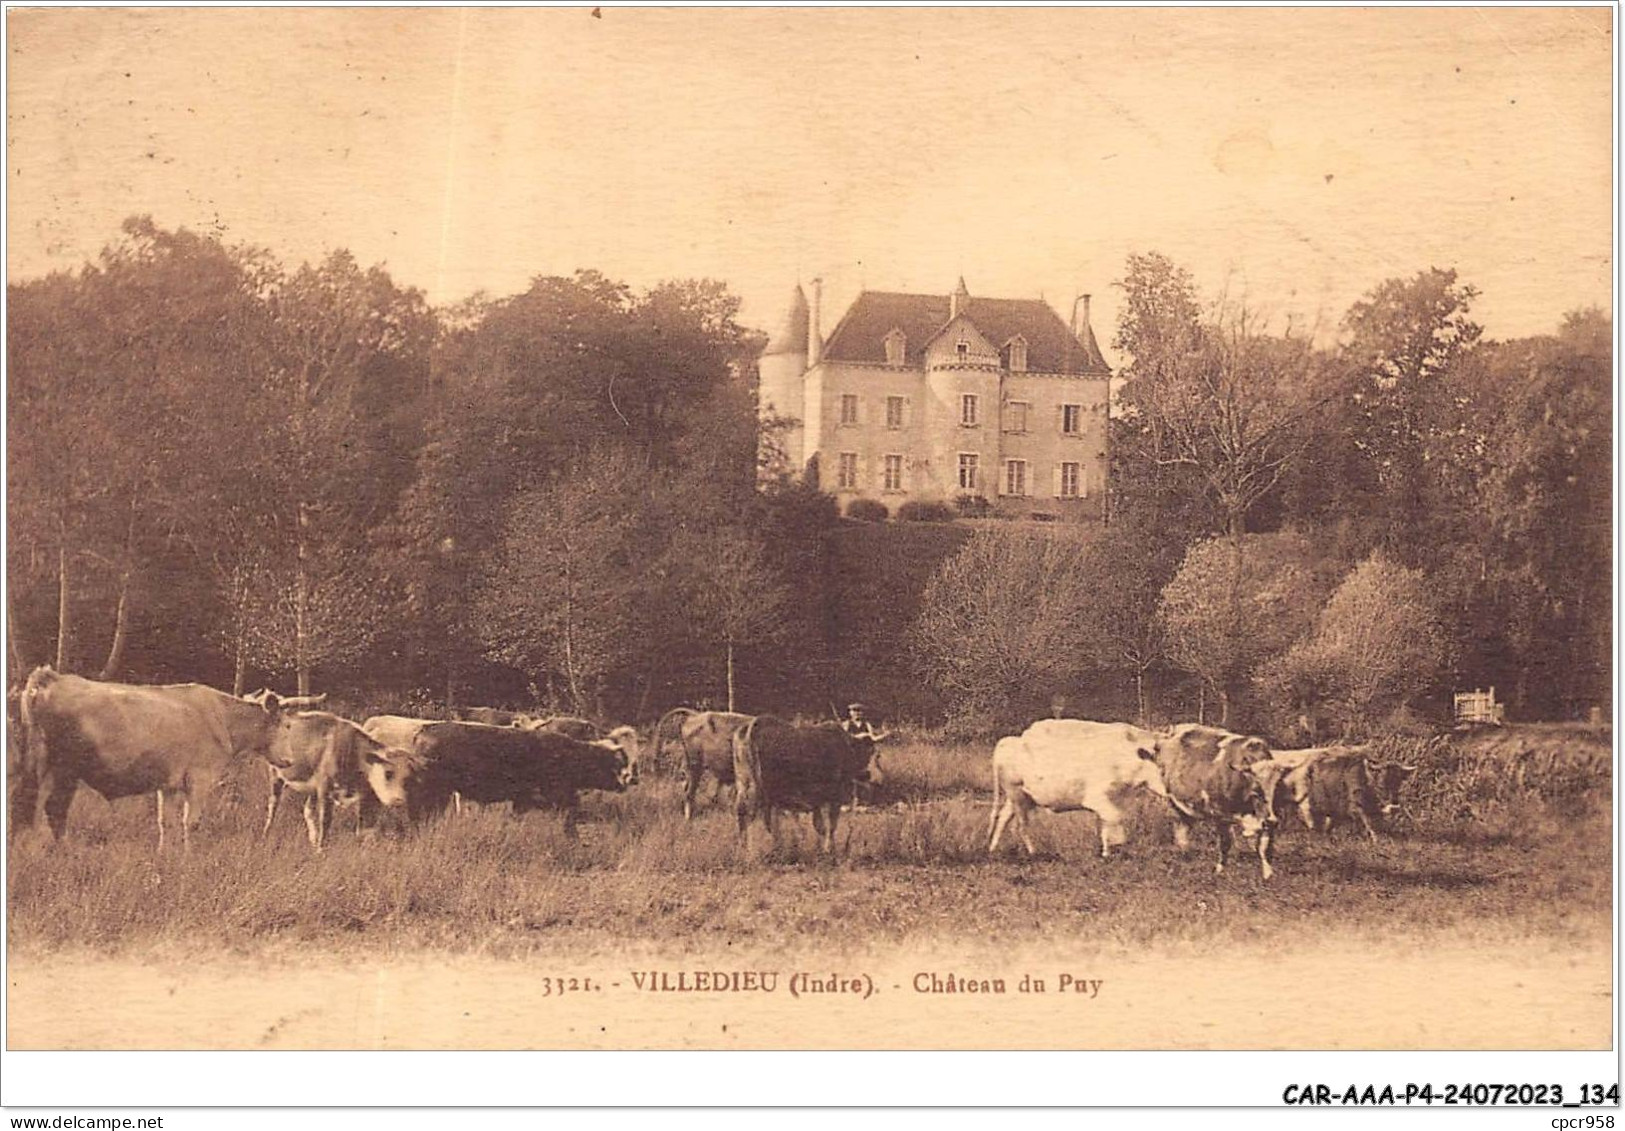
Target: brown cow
327, 759
703, 741
1340, 783
1228, 779
123, 740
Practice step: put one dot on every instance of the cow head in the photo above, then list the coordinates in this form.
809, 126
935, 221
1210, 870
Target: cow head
865, 760
272, 703
617, 767
388, 772
1267, 779
625, 739
1388, 778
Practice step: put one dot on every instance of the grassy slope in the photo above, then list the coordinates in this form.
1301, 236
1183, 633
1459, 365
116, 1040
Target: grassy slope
915, 869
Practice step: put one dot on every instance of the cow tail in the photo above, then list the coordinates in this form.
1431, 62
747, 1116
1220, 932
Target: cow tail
28, 767
993, 817
747, 769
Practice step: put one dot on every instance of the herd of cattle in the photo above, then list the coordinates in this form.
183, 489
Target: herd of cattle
181, 740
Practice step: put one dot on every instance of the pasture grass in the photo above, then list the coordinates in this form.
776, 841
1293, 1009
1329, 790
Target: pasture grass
913, 867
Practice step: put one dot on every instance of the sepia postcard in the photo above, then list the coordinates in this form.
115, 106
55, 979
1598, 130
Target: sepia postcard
1049, 530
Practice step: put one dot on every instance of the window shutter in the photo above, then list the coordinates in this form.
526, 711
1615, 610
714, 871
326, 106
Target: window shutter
1056, 480
1083, 479
1060, 418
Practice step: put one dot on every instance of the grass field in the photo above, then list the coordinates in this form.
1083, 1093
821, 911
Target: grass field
1514, 856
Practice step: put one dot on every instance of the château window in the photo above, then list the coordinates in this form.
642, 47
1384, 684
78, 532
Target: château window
967, 410
968, 462
896, 347
1018, 355
1069, 480
849, 408
894, 473
1015, 477
894, 412
963, 350
1071, 419
1015, 416
847, 476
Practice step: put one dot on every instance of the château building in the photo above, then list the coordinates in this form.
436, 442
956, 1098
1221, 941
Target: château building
937, 397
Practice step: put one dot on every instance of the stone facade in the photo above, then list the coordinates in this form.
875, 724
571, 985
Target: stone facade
938, 397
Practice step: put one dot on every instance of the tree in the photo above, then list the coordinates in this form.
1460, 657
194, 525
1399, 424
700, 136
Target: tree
116, 384
351, 357
560, 599
1406, 338
1120, 616
1000, 626
1224, 614
1376, 646
1232, 410
733, 596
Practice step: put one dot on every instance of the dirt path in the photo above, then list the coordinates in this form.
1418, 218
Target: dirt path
1418, 993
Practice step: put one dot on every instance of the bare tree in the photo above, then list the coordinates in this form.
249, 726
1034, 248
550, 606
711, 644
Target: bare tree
561, 596
1000, 624
736, 598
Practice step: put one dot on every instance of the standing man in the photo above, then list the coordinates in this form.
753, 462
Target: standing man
857, 725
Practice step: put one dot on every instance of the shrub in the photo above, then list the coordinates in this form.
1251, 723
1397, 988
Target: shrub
1377, 645
973, 506
916, 511
868, 510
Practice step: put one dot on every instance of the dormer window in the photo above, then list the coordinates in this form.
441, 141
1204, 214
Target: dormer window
1018, 355
963, 350
896, 347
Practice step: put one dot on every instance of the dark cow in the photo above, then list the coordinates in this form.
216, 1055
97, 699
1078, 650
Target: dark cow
1338, 784
395, 730
531, 769
703, 743
123, 740
799, 768
328, 759
490, 716
1228, 779
582, 730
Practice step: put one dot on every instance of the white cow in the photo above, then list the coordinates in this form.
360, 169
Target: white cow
1067, 764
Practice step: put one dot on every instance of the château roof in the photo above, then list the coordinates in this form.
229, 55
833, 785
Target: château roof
791, 336
1051, 348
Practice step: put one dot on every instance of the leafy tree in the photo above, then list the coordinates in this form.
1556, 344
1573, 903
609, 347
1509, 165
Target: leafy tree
1406, 338
1001, 626
351, 351
1224, 614
1377, 645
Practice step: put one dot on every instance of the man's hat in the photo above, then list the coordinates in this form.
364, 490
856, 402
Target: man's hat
856, 707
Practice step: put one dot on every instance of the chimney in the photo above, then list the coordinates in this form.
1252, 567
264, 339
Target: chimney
815, 334
1080, 325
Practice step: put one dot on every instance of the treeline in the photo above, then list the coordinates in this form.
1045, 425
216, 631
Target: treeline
228, 469
223, 468
1312, 541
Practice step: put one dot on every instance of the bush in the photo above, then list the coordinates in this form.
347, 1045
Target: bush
868, 510
914, 511
973, 506
1376, 647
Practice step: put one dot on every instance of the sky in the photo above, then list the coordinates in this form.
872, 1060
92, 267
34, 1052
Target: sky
1291, 157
